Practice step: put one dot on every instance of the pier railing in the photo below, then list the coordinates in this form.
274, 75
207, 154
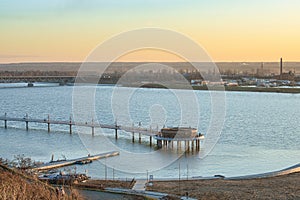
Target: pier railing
132, 129
151, 133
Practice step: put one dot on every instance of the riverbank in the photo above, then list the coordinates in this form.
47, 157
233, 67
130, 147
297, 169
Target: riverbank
293, 90
279, 187
251, 89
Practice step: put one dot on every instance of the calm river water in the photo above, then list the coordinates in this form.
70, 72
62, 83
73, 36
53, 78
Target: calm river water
261, 131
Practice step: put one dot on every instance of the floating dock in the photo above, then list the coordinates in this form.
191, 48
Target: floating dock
64, 163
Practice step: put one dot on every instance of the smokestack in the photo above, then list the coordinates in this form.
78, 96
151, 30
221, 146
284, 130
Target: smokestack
281, 66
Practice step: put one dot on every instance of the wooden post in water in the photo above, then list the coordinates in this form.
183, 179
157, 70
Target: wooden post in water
70, 124
26, 121
132, 133
193, 145
197, 145
150, 141
48, 122
140, 137
116, 130
132, 137
5, 121
93, 127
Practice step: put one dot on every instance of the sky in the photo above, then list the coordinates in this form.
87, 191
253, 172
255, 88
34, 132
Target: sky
229, 30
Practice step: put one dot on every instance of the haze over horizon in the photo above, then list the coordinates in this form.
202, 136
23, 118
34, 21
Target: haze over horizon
67, 31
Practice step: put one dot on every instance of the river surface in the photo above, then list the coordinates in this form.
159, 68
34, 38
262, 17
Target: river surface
260, 132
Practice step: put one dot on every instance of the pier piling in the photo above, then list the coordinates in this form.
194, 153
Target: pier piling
48, 122
132, 137
93, 127
26, 121
116, 130
116, 133
5, 121
70, 124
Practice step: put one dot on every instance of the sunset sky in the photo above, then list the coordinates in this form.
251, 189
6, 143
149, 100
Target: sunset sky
229, 30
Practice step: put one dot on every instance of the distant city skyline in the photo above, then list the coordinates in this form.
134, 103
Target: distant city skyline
231, 30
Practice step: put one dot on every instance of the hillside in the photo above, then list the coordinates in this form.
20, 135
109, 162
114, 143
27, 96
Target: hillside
15, 185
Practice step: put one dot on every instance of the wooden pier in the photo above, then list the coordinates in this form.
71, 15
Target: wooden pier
64, 163
132, 129
190, 142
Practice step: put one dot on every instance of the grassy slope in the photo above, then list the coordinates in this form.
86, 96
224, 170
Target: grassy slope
15, 185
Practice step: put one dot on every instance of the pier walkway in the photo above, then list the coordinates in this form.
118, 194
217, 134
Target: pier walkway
133, 129
191, 142
63, 163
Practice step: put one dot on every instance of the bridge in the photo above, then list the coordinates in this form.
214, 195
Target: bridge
31, 79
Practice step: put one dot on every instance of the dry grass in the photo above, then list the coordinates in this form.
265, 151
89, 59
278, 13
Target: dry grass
282, 187
18, 186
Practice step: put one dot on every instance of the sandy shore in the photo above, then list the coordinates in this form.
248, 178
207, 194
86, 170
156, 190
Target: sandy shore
280, 187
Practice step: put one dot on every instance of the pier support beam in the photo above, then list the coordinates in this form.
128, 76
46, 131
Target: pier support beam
159, 144
93, 130
193, 145
150, 141
26, 121
140, 138
93, 127
116, 130
116, 133
70, 124
132, 137
5, 121
48, 122
70, 128
197, 145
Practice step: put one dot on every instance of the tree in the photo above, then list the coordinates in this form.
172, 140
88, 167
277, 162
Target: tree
22, 162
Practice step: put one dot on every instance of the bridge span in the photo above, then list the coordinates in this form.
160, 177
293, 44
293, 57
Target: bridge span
31, 79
